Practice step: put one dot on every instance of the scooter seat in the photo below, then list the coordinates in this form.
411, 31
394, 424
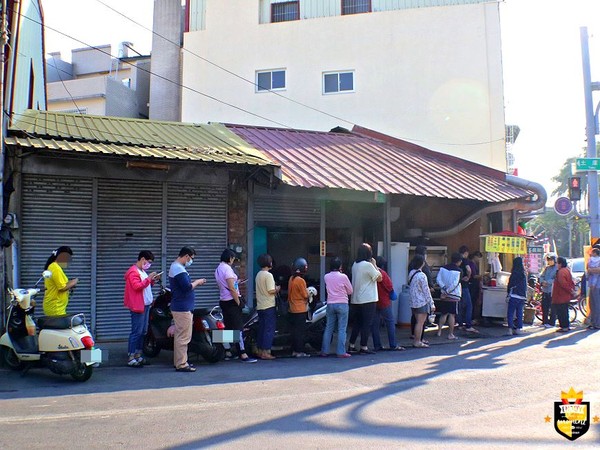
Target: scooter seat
201, 311
60, 322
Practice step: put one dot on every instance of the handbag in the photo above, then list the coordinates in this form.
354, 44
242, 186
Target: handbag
393, 295
509, 294
450, 297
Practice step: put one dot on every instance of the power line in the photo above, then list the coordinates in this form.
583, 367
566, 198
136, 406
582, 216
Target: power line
159, 76
274, 92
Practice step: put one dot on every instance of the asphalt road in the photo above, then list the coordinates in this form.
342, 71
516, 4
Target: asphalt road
490, 392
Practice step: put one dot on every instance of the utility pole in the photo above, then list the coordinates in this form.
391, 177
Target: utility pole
3, 42
591, 131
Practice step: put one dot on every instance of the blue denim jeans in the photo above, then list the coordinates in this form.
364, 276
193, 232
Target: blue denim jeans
266, 328
388, 317
139, 324
337, 319
465, 308
515, 306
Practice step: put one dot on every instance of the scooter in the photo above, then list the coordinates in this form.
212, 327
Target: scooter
315, 326
64, 343
160, 329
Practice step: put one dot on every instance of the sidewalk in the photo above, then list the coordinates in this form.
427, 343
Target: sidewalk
117, 350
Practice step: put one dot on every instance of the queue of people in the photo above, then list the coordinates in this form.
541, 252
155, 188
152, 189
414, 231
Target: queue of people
367, 298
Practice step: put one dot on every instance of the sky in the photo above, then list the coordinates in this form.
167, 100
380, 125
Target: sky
543, 81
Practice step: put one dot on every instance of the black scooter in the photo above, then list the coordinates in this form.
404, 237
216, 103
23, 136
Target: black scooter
160, 336
315, 326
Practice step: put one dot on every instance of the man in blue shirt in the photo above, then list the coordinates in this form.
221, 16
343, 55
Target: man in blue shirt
182, 306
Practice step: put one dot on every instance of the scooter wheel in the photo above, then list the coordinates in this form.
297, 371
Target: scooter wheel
83, 372
150, 347
10, 358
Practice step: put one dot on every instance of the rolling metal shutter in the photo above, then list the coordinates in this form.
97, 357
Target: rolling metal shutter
129, 220
57, 211
274, 211
197, 216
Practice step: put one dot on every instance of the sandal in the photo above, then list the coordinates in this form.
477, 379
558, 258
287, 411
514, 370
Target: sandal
420, 345
186, 369
397, 348
424, 341
452, 337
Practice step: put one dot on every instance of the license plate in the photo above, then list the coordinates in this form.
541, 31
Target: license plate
225, 336
91, 356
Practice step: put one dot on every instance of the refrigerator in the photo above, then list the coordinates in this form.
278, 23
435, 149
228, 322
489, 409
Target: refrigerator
398, 272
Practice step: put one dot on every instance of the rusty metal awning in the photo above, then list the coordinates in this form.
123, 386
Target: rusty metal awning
356, 161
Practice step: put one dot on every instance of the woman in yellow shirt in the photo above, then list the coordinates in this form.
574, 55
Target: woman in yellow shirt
58, 285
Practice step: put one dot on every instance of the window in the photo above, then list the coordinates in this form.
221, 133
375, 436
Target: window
270, 80
356, 6
285, 11
338, 82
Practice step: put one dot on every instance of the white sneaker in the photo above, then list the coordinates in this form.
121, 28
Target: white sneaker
510, 332
547, 325
518, 331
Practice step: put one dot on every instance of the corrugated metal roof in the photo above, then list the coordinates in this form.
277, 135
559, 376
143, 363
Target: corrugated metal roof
355, 161
132, 137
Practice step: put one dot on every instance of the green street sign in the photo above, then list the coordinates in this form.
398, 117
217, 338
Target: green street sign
582, 164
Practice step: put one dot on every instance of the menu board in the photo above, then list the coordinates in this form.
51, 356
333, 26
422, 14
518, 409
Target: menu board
534, 258
506, 244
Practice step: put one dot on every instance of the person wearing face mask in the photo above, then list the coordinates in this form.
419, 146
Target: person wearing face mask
182, 306
56, 297
138, 298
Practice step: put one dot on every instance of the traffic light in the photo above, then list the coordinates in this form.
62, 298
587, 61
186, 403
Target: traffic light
574, 189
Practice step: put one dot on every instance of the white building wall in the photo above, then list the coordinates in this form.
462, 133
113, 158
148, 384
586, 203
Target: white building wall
429, 75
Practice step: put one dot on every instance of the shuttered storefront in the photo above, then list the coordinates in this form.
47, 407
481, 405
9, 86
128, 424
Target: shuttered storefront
113, 220
275, 211
57, 211
129, 220
197, 216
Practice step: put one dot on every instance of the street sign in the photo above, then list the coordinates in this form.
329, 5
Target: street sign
563, 206
587, 164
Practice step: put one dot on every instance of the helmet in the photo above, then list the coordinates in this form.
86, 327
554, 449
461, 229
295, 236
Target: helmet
300, 265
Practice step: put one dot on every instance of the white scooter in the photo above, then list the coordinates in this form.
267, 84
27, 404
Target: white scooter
64, 343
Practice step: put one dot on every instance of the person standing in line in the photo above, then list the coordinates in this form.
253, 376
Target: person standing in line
421, 302
475, 283
138, 298
56, 296
182, 306
546, 281
298, 304
592, 284
338, 289
562, 293
448, 278
266, 290
517, 294
384, 309
365, 275
422, 250
465, 307
229, 300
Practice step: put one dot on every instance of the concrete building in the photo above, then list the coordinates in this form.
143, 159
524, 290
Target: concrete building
426, 71
23, 83
96, 83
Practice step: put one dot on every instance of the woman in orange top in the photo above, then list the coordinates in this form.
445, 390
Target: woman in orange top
298, 304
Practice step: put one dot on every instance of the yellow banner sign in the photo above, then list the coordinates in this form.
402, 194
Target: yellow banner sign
506, 244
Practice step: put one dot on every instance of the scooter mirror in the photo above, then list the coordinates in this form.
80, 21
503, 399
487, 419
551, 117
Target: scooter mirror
46, 274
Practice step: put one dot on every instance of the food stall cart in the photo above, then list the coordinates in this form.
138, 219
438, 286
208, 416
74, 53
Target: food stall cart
494, 293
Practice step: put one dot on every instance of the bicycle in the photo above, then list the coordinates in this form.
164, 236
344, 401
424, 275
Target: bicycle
575, 305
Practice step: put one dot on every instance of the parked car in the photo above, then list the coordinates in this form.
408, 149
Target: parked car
577, 266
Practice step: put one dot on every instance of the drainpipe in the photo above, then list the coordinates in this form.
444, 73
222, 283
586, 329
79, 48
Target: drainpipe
538, 202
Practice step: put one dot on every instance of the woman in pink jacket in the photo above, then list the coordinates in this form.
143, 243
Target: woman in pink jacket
138, 298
